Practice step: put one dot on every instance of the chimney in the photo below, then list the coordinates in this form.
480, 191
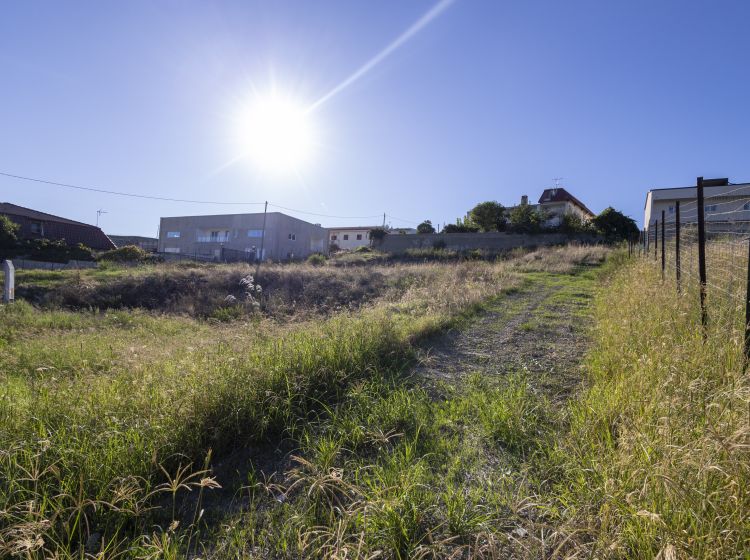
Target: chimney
524, 199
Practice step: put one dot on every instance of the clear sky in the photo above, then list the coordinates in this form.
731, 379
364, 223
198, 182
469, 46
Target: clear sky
488, 100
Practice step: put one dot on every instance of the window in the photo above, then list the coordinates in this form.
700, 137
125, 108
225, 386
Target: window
36, 227
359, 237
334, 237
292, 237
346, 237
173, 234
255, 233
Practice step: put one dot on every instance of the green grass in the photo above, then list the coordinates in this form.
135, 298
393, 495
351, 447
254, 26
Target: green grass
106, 415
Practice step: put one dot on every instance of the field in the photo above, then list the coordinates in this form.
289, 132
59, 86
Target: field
449, 409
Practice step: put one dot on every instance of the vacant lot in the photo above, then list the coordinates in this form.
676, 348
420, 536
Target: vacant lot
440, 414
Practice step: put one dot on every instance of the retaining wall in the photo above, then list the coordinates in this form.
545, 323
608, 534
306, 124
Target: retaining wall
491, 242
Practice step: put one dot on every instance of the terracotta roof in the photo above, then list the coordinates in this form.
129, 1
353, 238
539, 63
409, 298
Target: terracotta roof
559, 194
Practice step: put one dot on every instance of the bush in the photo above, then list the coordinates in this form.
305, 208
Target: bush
55, 251
9, 244
316, 259
127, 254
439, 244
378, 234
460, 228
363, 249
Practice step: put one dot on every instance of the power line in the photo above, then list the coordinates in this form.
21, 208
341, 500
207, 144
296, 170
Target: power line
133, 195
168, 199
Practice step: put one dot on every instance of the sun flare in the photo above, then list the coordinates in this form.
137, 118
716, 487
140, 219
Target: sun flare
276, 134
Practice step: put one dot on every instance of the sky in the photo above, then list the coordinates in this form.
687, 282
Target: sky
483, 100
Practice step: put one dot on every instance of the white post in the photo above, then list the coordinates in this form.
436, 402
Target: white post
9, 291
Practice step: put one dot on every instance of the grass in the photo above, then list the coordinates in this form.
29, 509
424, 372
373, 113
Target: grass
117, 427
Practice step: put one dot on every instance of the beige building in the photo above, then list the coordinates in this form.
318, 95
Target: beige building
240, 237
724, 202
350, 238
556, 203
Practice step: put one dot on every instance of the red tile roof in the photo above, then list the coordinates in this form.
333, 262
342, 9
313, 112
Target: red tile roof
559, 194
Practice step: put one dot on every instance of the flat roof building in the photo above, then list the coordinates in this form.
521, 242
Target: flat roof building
233, 237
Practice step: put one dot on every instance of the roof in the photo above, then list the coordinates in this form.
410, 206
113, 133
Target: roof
350, 228
680, 193
59, 228
8, 208
559, 194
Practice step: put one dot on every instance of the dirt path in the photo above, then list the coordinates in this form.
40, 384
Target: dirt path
539, 329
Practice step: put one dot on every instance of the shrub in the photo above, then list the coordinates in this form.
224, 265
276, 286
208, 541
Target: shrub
128, 253
55, 250
9, 244
316, 259
363, 249
426, 227
378, 234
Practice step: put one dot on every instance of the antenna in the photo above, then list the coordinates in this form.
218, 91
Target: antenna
99, 213
557, 181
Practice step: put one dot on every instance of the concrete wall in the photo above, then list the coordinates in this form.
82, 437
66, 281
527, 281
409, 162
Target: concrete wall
24, 264
492, 242
285, 237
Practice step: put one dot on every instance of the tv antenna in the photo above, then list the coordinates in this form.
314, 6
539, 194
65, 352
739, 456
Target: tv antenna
557, 181
98, 214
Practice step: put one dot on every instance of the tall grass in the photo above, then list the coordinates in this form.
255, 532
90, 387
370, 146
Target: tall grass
108, 419
658, 459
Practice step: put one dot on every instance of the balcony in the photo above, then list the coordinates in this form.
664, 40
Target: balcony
212, 238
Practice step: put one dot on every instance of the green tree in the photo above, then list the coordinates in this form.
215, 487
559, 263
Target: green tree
526, 219
9, 243
378, 234
426, 227
615, 225
573, 223
489, 216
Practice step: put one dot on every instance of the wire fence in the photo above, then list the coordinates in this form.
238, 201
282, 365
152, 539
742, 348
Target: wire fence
702, 243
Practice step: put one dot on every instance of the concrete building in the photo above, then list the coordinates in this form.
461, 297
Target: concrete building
724, 202
240, 236
40, 225
349, 238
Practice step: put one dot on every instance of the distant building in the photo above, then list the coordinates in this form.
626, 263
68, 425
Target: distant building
350, 238
724, 202
40, 225
556, 203
240, 237
149, 244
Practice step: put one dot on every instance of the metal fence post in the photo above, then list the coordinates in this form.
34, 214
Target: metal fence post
702, 254
656, 239
677, 244
747, 307
663, 246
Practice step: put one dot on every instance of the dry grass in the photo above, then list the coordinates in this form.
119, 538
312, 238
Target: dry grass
104, 414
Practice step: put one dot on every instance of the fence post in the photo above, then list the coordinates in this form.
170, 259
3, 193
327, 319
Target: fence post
747, 308
702, 254
9, 286
656, 238
677, 244
663, 246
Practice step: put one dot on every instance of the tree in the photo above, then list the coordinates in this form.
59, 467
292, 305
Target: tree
526, 219
378, 234
615, 225
461, 226
489, 216
426, 227
573, 223
9, 244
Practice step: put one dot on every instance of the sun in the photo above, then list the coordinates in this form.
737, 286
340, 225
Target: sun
276, 134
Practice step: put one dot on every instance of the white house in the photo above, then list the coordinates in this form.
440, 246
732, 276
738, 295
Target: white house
349, 238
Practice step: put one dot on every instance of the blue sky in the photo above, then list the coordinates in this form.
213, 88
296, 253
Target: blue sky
489, 101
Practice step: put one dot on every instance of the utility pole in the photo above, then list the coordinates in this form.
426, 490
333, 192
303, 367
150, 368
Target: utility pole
383, 220
99, 213
262, 242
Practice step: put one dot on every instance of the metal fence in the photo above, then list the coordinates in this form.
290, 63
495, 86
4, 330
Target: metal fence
712, 255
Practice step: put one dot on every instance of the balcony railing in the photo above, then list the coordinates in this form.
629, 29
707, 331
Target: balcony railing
212, 238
